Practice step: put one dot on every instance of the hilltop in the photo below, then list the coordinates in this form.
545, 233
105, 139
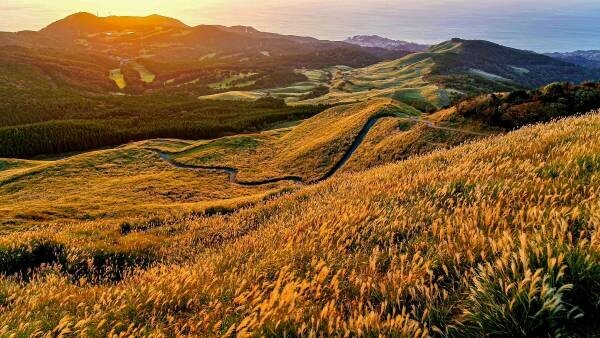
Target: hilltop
84, 24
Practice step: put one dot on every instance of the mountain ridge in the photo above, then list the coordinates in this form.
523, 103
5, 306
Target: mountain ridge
585, 58
164, 39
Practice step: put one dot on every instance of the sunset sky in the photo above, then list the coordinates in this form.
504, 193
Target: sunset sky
534, 24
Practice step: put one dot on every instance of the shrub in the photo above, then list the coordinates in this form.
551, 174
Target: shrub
24, 258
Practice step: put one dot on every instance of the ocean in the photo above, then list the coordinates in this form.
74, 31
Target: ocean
539, 25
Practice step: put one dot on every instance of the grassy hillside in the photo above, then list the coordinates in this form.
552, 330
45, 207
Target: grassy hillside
449, 72
495, 236
522, 67
309, 150
124, 184
394, 139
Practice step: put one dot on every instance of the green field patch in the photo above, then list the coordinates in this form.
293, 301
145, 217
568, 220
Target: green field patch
117, 76
207, 56
145, 75
235, 96
234, 81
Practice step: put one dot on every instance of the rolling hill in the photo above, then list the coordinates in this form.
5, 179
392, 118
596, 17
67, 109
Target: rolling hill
165, 180
389, 131
64, 96
445, 74
309, 151
345, 138
496, 235
140, 54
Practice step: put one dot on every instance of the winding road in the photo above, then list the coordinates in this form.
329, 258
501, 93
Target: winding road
232, 172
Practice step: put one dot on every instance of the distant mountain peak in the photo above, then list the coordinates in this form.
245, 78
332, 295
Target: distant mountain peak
585, 58
78, 24
86, 23
81, 15
386, 43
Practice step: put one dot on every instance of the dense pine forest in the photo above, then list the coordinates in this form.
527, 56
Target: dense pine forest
72, 122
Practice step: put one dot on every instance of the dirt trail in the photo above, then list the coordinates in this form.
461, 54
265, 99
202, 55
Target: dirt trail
232, 172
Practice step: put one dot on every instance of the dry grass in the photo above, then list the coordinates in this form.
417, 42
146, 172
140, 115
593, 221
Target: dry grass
393, 139
499, 236
113, 185
10, 166
308, 150
235, 96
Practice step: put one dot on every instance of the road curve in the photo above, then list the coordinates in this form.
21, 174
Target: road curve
232, 172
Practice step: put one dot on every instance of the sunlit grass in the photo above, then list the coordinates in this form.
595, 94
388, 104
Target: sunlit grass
308, 150
112, 185
498, 236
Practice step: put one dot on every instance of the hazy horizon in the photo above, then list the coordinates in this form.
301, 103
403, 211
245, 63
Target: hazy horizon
535, 25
